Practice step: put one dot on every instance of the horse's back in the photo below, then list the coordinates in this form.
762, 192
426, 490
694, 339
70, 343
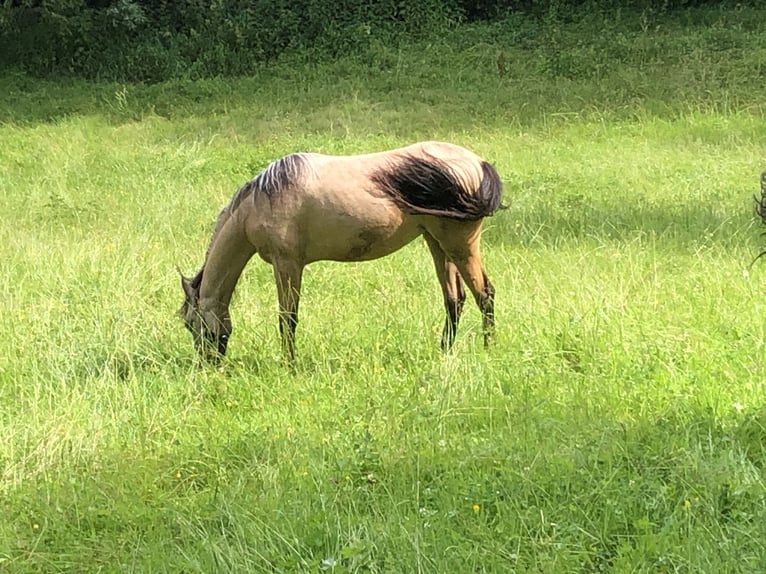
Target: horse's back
333, 212
338, 208
341, 173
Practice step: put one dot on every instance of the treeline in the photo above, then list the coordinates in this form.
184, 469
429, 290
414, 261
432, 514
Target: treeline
152, 40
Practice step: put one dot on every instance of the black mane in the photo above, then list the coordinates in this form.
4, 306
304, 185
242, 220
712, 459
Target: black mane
280, 175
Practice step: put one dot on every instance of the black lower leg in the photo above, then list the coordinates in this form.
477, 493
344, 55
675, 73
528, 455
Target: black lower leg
454, 306
454, 309
288, 323
487, 306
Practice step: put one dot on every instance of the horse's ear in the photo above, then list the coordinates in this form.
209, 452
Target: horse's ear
186, 284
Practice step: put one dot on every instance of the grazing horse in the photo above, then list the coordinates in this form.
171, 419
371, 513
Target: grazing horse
308, 207
760, 208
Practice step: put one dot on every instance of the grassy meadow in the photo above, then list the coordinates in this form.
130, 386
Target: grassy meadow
618, 424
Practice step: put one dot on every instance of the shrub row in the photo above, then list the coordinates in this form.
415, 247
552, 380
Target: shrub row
152, 40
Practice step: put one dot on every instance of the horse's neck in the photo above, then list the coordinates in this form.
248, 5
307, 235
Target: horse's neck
227, 256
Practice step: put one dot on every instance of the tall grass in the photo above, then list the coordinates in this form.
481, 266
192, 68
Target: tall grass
617, 425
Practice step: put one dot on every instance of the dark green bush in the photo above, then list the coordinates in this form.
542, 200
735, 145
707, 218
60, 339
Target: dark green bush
151, 40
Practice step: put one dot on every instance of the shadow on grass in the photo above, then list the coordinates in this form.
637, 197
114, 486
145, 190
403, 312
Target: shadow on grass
28, 100
586, 499
516, 70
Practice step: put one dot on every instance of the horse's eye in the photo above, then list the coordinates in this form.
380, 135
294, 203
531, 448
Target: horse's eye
224, 337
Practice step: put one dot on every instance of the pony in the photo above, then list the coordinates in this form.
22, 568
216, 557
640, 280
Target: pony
760, 209
308, 207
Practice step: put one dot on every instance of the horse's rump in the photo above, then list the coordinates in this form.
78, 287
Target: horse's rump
427, 185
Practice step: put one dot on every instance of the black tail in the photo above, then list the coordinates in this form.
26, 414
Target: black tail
429, 186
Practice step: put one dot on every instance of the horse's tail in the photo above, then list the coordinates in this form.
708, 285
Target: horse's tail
490, 189
430, 186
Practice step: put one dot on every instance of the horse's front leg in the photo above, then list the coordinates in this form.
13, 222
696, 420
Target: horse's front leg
288, 276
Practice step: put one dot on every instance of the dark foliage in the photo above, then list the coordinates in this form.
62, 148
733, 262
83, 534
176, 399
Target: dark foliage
153, 40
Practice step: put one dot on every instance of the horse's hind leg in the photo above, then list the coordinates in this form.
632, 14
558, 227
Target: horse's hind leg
288, 277
462, 246
452, 290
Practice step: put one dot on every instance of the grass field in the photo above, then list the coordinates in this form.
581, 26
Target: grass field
618, 425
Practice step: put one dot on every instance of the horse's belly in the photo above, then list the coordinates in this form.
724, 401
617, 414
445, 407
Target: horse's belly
349, 237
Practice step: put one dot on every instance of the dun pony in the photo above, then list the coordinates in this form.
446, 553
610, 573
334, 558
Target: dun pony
308, 207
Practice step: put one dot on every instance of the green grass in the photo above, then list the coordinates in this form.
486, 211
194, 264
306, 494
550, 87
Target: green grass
618, 425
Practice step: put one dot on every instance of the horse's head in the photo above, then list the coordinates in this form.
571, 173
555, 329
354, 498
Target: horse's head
210, 330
